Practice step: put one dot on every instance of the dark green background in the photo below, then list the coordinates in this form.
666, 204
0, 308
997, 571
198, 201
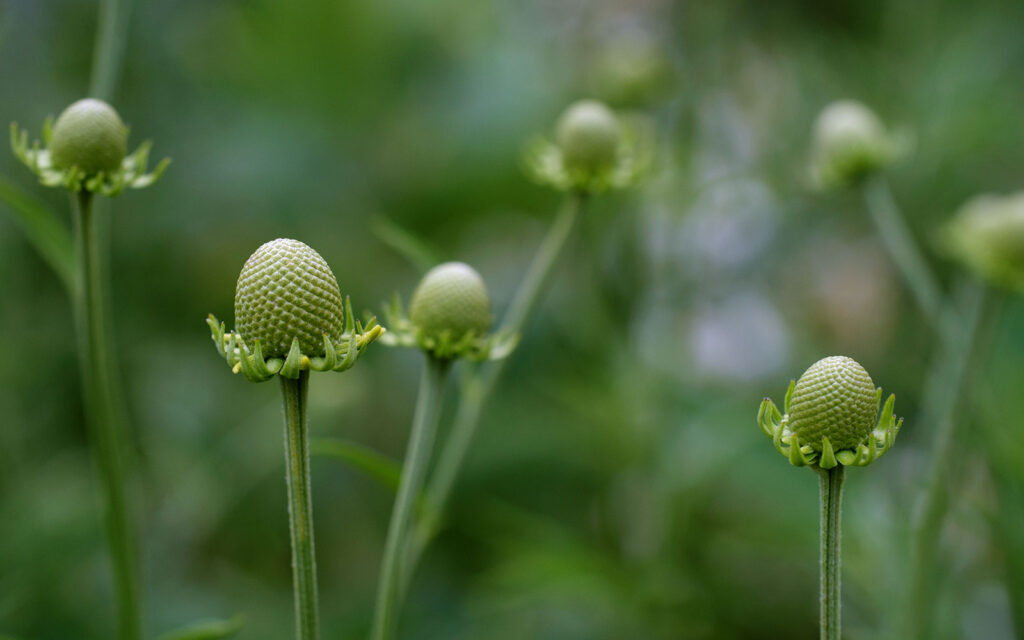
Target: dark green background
619, 486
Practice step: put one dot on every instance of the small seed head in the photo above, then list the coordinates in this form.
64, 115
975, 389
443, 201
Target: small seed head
987, 235
89, 135
835, 397
589, 135
451, 298
851, 143
287, 291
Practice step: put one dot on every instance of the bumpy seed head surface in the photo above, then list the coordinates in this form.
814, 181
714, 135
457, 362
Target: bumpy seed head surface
588, 134
451, 297
286, 291
835, 397
89, 135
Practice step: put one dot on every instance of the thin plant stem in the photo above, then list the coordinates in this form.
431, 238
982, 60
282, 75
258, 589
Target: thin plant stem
905, 253
103, 416
942, 391
111, 36
300, 505
478, 385
830, 483
417, 455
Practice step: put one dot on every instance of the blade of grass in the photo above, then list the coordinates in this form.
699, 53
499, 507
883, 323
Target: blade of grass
211, 630
376, 465
47, 234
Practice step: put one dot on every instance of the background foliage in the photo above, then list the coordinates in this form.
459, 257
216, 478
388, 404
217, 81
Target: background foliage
619, 486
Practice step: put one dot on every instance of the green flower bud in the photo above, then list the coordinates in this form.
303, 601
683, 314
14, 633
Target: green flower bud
851, 143
451, 300
987, 236
589, 136
834, 398
89, 135
287, 291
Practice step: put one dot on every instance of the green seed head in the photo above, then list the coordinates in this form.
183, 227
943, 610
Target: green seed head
851, 143
287, 291
589, 135
89, 135
451, 298
835, 397
987, 235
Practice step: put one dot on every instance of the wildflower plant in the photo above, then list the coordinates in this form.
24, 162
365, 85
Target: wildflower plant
831, 422
987, 236
290, 319
850, 144
449, 319
85, 152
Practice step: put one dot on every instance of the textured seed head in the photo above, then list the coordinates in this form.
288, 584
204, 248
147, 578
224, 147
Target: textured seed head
89, 135
835, 397
286, 291
588, 134
452, 297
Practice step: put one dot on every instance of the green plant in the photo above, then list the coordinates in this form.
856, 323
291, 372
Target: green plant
289, 320
851, 144
85, 153
583, 129
450, 315
829, 424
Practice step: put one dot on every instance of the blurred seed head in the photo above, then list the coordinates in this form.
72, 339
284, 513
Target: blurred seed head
836, 398
451, 300
89, 135
850, 143
589, 135
287, 291
987, 236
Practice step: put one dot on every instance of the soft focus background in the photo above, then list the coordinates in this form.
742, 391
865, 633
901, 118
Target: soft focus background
619, 486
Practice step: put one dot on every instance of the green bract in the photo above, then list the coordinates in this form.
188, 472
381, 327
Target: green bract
289, 316
451, 299
850, 144
594, 150
830, 417
987, 236
85, 150
89, 135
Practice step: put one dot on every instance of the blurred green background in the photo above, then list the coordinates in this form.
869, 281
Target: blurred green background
619, 486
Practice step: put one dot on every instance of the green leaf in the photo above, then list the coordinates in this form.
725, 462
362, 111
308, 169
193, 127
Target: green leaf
376, 465
414, 249
44, 230
211, 630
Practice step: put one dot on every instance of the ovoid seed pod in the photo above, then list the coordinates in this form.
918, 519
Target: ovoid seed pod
287, 291
588, 134
835, 397
453, 298
845, 124
89, 135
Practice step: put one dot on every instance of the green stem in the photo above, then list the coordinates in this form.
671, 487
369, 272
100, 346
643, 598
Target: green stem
479, 385
904, 251
942, 392
300, 505
111, 35
103, 415
417, 455
831, 485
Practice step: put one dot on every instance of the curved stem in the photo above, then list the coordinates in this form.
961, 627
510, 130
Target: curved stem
111, 35
103, 415
480, 383
300, 505
417, 455
830, 484
942, 391
899, 242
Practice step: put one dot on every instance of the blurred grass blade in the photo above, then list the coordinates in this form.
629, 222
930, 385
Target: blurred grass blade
378, 466
415, 250
44, 230
212, 630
